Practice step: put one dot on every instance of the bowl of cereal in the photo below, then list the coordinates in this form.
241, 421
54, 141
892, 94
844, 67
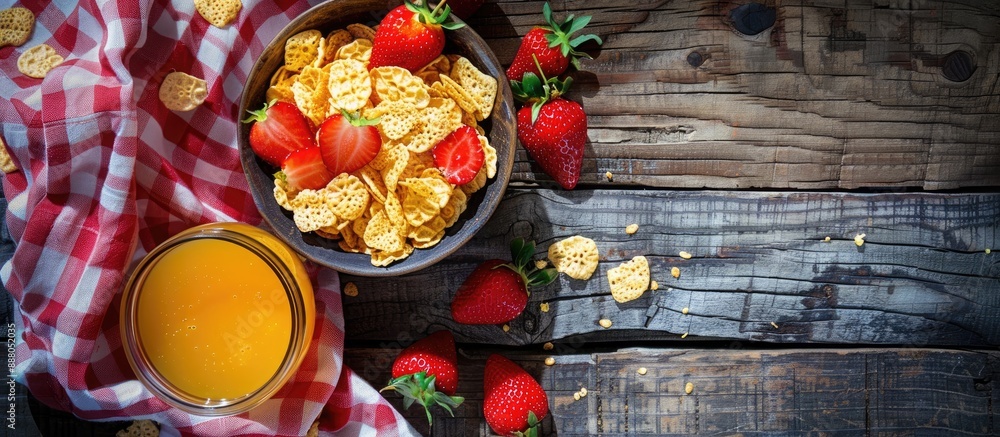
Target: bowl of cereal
400, 211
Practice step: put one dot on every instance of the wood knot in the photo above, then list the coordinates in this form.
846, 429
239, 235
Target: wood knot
958, 66
752, 18
695, 59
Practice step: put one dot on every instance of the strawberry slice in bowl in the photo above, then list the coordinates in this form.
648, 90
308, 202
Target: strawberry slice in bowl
277, 130
304, 169
348, 142
460, 155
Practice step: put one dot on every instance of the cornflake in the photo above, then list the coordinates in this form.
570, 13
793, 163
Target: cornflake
399, 201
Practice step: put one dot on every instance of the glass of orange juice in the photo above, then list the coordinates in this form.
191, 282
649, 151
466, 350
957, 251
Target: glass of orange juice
217, 318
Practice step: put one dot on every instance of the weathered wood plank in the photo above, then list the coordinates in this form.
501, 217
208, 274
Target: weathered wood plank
836, 94
761, 270
846, 392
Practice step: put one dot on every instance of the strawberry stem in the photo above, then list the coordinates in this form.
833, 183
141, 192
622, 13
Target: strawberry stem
259, 114
521, 252
419, 388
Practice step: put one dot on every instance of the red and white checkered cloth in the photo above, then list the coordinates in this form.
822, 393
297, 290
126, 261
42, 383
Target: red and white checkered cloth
107, 172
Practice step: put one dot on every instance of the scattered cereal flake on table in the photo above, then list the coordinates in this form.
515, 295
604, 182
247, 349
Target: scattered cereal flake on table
7, 163
219, 13
826, 240
37, 61
604, 323
548, 346
988, 251
653, 285
544, 306
549, 361
685, 310
180, 91
675, 272
684, 335
350, 289
575, 256
541, 264
609, 176
15, 26
576, 396
583, 392
775, 325
641, 371
506, 328
685, 255
688, 388
629, 280
632, 228
859, 239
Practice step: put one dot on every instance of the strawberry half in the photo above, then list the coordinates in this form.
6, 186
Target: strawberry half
553, 130
496, 291
426, 372
553, 45
304, 169
513, 403
278, 129
459, 155
348, 142
411, 36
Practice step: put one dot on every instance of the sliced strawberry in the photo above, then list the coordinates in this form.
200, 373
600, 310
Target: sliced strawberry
279, 129
348, 142
459, 155
304, 169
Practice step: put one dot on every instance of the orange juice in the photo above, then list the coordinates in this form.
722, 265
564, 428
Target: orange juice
218, 316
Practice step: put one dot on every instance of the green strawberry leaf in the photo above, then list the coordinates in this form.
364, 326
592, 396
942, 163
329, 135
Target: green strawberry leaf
521, 252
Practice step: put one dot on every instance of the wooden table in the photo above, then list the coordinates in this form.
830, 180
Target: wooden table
746, 134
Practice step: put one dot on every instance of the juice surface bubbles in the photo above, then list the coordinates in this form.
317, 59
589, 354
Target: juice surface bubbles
214, 319
217, 319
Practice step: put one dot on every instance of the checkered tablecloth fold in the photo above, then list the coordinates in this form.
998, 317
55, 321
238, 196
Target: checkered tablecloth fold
106, 172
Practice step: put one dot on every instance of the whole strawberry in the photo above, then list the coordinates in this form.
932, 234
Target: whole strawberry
552, 129
513, 403
411, 36
553, 45
497, 291
426, 372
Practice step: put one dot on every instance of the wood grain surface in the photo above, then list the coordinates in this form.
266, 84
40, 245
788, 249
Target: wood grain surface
761, 270
834, 94
854, 392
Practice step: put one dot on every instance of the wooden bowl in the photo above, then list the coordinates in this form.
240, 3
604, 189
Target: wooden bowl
500, 128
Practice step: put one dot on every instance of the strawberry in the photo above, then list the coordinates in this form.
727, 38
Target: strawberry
426, 372
278, 129
411, 36
496, 291
552, 45
304, 169
513, 402
348, 142
459, 155
553, 130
